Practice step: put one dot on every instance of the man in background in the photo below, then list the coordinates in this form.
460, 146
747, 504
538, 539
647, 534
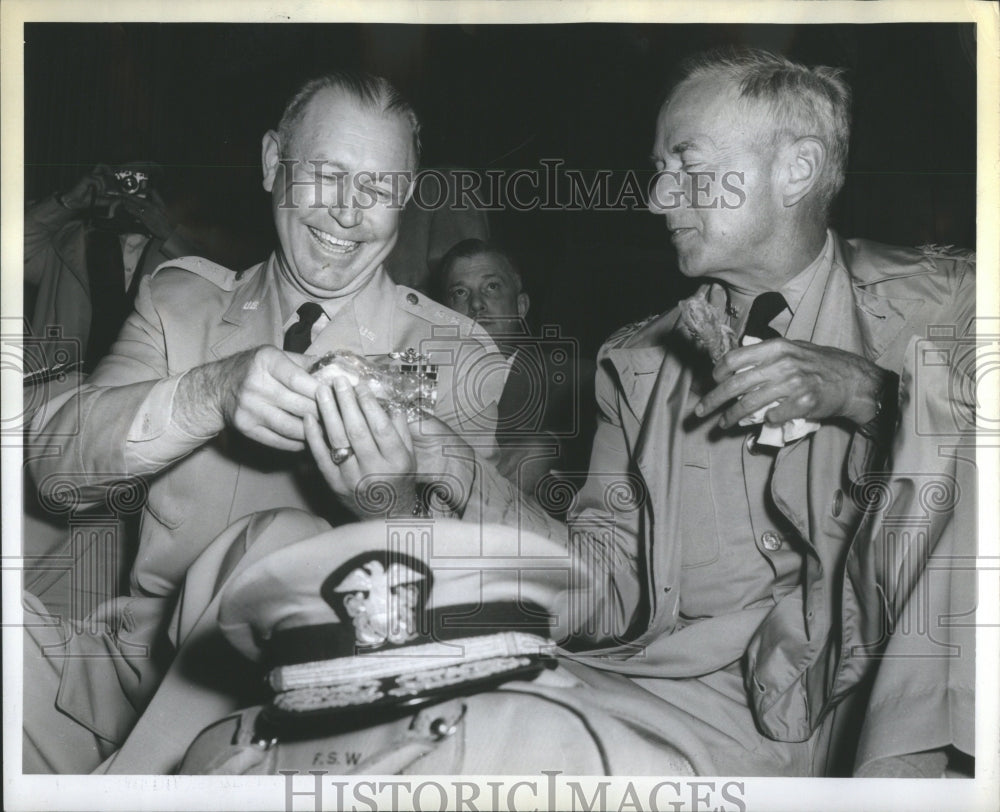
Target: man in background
545, 414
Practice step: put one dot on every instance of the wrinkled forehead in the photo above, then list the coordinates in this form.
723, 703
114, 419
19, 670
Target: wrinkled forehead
709, 110
335, 121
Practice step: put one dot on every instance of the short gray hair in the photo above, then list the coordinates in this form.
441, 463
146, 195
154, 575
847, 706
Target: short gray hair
799, 99
373, 92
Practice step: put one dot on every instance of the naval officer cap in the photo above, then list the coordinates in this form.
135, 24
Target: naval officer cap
379, 616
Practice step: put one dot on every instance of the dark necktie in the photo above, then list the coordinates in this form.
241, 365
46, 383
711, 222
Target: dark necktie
299, 336
109, 302
763, 310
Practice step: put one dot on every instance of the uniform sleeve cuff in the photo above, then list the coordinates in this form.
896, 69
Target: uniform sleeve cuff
155, 438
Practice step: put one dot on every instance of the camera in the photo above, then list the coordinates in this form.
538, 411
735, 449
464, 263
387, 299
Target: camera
952, 367
131, 181
48, 365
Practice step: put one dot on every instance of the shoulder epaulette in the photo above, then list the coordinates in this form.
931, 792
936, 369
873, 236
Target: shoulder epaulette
218, 275
934, 251
424, 307
622, 334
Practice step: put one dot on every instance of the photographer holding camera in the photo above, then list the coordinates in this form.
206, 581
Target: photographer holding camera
85, 249
206, 399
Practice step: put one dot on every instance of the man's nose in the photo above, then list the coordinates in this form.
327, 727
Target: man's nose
476, 304
666, 193
346, 213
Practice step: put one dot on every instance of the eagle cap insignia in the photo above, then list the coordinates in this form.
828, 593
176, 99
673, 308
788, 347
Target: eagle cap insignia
381, 596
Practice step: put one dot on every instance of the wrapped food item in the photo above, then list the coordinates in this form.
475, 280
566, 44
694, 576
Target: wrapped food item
405, 383
706, 324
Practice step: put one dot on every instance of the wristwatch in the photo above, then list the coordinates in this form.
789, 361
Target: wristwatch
881, 426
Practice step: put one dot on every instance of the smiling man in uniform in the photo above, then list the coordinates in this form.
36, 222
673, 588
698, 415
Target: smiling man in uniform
205, 397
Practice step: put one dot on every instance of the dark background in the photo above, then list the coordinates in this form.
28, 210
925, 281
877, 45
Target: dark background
197, 98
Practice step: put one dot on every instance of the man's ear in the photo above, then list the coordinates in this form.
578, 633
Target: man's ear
802, 163
409, 189
270, 158
523, 303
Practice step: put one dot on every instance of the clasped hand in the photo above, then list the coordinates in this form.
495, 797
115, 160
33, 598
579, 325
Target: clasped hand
390, 458
805, 380
378, 476
267, 395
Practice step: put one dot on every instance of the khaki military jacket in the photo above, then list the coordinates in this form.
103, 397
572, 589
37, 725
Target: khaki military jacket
191, 311
803, 654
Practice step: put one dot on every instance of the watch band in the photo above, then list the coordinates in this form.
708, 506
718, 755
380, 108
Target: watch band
882, 425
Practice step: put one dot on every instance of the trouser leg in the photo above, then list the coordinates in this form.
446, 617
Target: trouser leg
53, 741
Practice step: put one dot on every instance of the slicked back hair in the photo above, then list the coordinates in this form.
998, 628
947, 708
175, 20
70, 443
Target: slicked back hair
799, 100
373, 92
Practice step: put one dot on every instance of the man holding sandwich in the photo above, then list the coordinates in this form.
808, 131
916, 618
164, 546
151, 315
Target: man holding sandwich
206, 397
754, 414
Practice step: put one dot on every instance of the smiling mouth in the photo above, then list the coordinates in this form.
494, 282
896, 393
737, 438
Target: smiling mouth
333, 244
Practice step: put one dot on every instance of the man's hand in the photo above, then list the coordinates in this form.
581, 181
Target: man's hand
151, 212
380, 450
263, 393
445, 459
92, 189
806, 380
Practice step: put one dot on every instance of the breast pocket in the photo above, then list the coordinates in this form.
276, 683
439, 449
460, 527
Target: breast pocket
699, 533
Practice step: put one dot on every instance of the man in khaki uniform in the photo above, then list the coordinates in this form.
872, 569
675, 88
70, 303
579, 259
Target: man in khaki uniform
732, 602
199, 403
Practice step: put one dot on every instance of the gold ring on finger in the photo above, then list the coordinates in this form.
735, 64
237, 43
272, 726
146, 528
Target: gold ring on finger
342, 454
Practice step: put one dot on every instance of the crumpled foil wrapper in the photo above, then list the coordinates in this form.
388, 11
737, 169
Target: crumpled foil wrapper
398, 387
706, 324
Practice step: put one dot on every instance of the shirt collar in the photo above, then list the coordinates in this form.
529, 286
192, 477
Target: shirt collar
794, 289
292, 298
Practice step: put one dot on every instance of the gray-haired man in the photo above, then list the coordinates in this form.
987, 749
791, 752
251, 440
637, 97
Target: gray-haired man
730, 588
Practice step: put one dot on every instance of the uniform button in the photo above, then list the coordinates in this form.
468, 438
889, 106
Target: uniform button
770, 541
442, 728
838, 502
412, 298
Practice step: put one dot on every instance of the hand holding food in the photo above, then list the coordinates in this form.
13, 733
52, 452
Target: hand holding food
706, 324
397, 388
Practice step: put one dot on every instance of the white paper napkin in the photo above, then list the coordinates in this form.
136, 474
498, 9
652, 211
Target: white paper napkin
776, 436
